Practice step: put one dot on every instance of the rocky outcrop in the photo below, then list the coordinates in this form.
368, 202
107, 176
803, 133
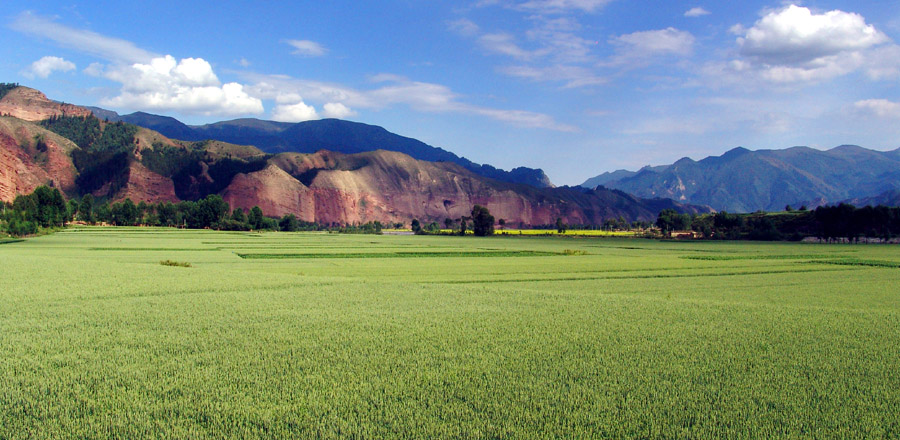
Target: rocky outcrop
32, 105
275, 191
144, 185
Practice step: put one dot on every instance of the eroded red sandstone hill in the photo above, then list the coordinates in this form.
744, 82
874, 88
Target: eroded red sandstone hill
388, 186
32, 105
324, 187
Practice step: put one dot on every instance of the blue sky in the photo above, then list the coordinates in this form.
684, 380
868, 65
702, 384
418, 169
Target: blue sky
575, 87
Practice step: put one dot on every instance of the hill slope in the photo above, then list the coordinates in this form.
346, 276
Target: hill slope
745, 181
311, 136
390, 186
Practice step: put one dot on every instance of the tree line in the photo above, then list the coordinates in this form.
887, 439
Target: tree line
827, 223
46, 208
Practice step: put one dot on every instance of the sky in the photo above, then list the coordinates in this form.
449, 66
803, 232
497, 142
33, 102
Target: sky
575, 87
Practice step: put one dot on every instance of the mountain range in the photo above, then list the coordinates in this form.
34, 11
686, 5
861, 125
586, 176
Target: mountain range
48, 143
746, 181
311, 136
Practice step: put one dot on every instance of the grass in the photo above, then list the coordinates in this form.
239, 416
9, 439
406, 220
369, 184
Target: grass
175, 263
628, 340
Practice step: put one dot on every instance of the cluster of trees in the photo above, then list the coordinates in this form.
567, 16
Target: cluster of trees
482, 223
6, 87
43, 208
838, 222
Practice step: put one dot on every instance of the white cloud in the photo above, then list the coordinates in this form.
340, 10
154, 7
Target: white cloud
640, 48
45, 66
881, 108
336, 110
108, 48
297, 112
307, 48
795, 36
663, 41
696, 12
794, 44
187, 86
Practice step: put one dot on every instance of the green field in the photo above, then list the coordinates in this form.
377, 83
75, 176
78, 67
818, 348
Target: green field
313, 335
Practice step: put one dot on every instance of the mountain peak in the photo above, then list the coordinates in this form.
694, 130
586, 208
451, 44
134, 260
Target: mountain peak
735, 152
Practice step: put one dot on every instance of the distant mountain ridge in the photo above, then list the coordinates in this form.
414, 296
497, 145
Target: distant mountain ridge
311, 136
742, 180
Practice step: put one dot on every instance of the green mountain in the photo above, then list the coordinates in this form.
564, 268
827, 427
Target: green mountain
746, 181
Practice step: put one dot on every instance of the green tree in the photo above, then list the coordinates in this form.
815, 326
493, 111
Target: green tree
560, 226
289, 223
482, 221
211, 210
238, 215
670, 220
50, 207
255, 218
416, 226
165, 213
86, 209
71, 209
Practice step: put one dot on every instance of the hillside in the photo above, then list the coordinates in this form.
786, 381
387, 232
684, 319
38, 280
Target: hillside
745, 181
114, 160
311, 136
352, 188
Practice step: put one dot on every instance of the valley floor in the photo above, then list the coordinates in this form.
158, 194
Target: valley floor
299, 335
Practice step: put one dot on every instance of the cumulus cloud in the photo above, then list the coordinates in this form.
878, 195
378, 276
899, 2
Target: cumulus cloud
796, 36
297, 112
794, 44
336, 110
108, 48
307, 48
45, 66
696, 12
881, 108
188, 86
